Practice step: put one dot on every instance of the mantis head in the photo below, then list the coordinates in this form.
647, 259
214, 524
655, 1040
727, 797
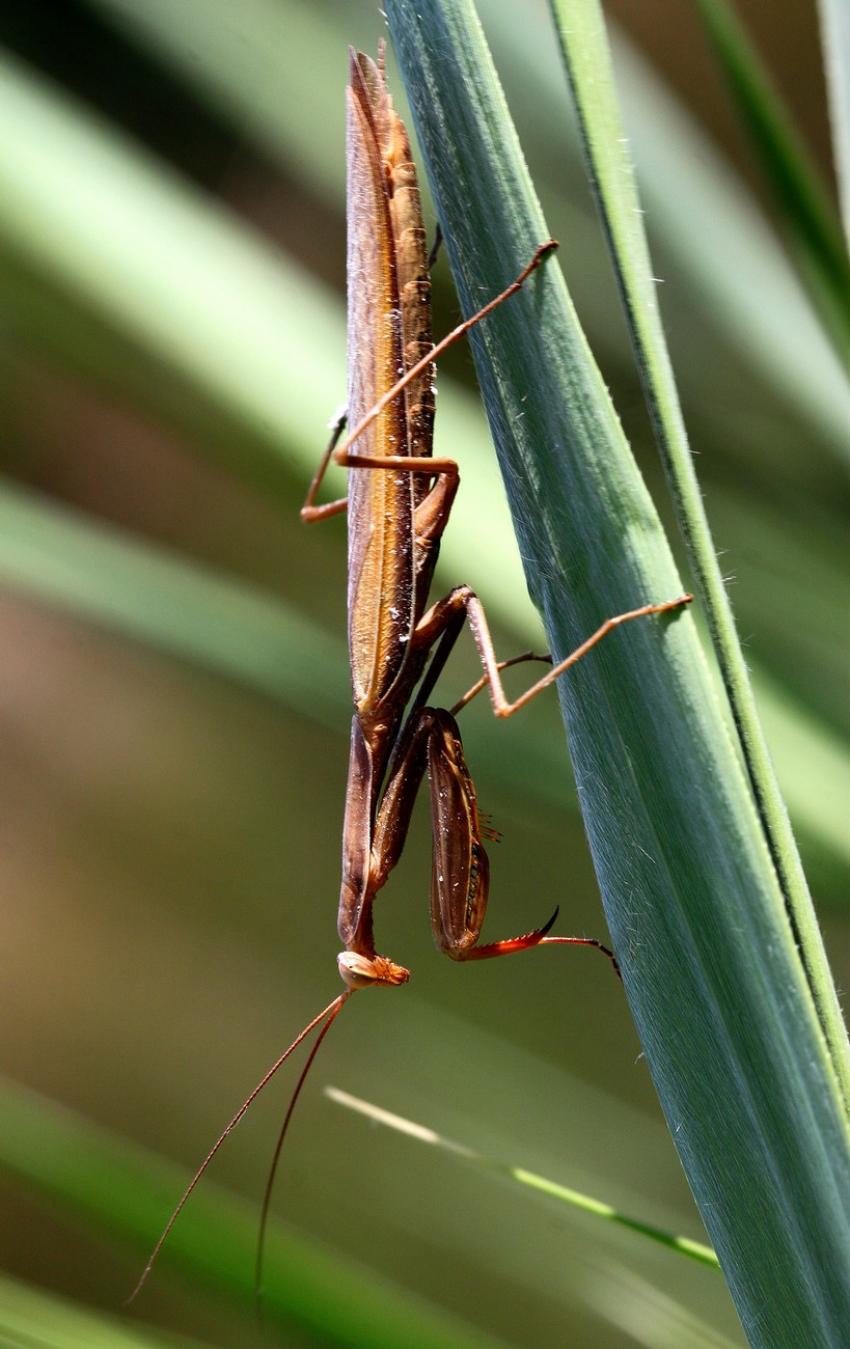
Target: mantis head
358, 971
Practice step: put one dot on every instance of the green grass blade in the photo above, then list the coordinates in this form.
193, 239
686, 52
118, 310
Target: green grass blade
692, 1250
835, 36
806, 213
709, 962
587, 60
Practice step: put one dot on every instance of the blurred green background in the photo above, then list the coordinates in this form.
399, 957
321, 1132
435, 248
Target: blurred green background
175, 701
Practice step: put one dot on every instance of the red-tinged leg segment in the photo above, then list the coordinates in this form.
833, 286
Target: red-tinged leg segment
539, 937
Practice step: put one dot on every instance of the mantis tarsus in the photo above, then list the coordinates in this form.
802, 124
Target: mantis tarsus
399, 501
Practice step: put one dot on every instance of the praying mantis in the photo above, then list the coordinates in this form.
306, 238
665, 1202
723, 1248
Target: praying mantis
398, 503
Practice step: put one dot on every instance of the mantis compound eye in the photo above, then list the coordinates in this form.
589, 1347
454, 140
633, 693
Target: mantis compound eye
358, 971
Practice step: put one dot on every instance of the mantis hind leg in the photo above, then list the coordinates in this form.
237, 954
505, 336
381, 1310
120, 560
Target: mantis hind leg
447, 616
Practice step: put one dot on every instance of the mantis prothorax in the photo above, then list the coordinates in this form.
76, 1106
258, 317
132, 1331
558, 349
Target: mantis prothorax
399, 500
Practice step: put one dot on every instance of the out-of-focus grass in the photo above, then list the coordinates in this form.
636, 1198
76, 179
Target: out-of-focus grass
29, 1316
808, 216
122, 1190
835, 35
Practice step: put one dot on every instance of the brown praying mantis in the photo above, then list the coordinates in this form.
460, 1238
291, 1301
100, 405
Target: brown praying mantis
399, 501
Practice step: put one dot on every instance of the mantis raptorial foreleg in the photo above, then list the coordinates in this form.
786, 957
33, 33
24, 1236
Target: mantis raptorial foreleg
431, 742
463, 600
